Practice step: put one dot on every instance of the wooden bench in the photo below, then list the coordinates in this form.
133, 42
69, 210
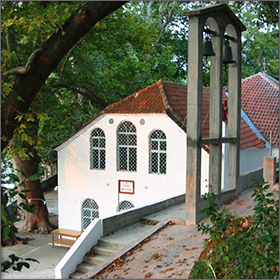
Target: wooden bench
58, 236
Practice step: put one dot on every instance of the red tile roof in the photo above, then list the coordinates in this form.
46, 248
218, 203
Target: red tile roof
260, 101
171, 98
148, 100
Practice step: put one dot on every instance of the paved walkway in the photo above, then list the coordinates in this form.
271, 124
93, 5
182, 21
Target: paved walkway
169, 253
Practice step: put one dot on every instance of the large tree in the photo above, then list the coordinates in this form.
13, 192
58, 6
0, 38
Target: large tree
260, 42
21, 85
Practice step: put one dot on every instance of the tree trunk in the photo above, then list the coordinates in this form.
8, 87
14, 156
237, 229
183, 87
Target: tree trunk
30, 166
40, 220
27, 85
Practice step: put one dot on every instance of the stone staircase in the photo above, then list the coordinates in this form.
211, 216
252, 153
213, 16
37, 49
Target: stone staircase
98, 255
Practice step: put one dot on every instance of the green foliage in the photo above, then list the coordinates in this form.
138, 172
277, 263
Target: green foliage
219, 219
246, 248
33, 23
260, 42
202, 270
29, 24
118, 57
7, 195
16, 263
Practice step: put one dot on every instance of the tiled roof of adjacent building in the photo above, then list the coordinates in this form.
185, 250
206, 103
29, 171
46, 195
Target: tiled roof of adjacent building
260, 101
171, 98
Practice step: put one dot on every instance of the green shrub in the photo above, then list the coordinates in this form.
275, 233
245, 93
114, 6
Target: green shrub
244, 248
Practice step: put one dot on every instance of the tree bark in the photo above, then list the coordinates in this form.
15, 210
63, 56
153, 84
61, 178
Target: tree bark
40, 220
27, 85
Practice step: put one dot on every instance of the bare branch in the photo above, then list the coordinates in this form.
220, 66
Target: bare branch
149, 9
167, 19
84, 90
65, 62
28, 66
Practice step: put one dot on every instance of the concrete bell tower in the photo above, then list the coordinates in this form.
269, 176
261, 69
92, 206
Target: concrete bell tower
219, 22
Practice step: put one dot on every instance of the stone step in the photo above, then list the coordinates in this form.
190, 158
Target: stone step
103, 251
76, 275
109, 244
85, 267
96, 260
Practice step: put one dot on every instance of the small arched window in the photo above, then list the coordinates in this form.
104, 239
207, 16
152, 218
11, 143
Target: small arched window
90, 211
126, 147
157, 157
124, 205
98, 149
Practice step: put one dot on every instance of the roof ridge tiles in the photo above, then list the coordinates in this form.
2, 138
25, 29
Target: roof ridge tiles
135, 94
164, 95
264, 75
271, 80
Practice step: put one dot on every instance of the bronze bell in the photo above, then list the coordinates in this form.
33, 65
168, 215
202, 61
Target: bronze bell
207, 48
227, 54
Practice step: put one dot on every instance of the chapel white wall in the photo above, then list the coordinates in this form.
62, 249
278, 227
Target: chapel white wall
77, 181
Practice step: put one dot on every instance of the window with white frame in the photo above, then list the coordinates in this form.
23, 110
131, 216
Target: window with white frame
126, 147
90, 211
157, 158
98, 149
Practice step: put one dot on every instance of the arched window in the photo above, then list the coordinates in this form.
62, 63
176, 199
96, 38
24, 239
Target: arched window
124, 205
90, 211
157, 157
126, 147
98, 149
